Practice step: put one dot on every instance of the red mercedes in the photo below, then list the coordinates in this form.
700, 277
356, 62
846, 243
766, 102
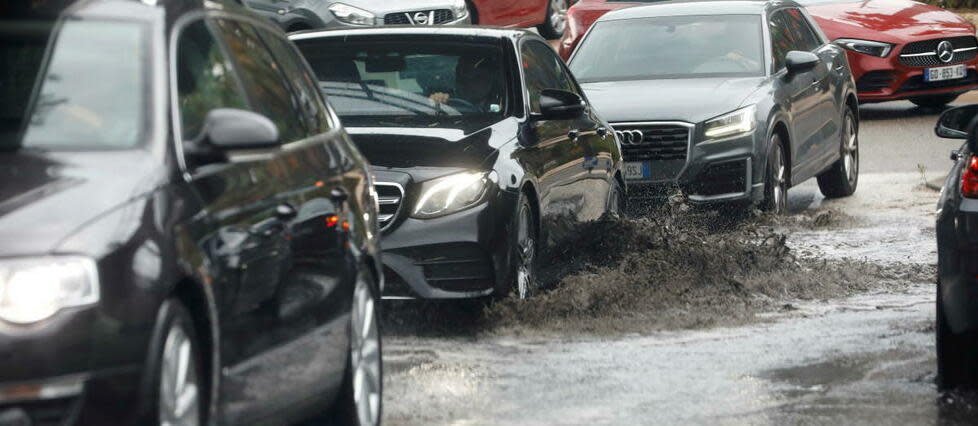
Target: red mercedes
897, 49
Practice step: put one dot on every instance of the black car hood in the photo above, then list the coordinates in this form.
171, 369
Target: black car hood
461, 145
691, 100
45, 197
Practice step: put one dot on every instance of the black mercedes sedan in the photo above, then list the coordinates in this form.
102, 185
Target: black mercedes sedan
732, 101
187, 234
484, 149
957, 255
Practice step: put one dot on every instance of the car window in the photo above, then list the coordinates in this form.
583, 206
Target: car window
57, 92
808, 40
782, 39
307, 90
205, 80
266, 86
542, 70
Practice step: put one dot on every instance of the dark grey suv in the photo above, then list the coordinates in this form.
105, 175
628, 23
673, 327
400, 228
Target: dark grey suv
731, 101
187, 235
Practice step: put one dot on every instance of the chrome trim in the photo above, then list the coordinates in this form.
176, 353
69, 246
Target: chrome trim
747, 187
386, 201
689, 144
389, 218
914, 55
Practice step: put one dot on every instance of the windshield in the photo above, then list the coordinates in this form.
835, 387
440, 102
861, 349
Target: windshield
671, 47
404, 83
80, 85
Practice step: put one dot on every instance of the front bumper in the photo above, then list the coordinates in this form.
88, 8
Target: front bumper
887, 79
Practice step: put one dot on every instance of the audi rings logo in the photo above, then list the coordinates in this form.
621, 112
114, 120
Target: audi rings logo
630, 137
945, 51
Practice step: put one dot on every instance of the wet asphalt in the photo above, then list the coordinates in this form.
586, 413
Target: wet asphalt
864, 360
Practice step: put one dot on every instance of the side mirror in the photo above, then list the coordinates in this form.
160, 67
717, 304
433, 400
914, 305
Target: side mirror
560, 105
959, 123
798, 62
228, 129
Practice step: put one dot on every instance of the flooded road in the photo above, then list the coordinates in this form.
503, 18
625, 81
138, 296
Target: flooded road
866, 358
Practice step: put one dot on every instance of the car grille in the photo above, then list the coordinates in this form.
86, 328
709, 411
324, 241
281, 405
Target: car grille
431, 17
390, 196
666, 145
874, 81
923, 53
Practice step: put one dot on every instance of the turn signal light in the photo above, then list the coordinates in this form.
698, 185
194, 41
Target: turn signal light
969, 179
332, 220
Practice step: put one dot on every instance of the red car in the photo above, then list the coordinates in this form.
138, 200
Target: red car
897, 49
549, 16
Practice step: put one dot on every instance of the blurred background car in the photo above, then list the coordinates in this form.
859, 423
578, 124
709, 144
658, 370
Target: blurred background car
897, 49
957, 255
731, 101
548, 16
476, 170
182, 227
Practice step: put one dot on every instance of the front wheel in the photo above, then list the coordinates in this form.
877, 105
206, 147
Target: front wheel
360, 403
523, 250
555, 24
934, 101
776, 178
179, 398
842, 178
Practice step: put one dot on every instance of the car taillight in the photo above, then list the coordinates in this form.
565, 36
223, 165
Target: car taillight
969, 179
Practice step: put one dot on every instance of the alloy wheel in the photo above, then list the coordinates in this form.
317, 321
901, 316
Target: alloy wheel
850, 150
558, 15
526, 248
179, 387
365, 355
779, 181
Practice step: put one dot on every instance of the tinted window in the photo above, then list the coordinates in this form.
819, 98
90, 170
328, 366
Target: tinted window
205, 80
80, 103
671, 47
543, 70
799, 26
306, 88
403, 82
267, 88
790, 31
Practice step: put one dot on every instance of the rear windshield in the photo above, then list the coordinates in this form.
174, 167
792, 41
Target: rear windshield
403, 82
74, 85
671, 47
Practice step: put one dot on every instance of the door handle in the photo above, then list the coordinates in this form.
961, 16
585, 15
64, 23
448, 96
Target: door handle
574, 134
338, 195
285, 212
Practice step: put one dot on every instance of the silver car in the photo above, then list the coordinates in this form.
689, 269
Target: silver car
296, 15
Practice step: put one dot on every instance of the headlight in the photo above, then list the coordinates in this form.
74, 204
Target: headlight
459, 9
351, 15
35, 289
450, 194
866, 47
733, 124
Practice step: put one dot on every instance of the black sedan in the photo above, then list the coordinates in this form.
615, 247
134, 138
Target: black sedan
730, 101
957, 255
187, 235
484, 149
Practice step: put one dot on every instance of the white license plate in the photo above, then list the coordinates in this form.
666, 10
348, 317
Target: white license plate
637, 170
945, 73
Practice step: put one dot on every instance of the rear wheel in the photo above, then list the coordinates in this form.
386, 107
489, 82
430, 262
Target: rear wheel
555, 24
776, 178
843, 177
934, 101
956, 354
360, 404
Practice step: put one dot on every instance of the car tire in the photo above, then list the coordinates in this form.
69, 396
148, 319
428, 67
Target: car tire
521, 282
360, 402
775, 178
176, 393
957, 355
617, 201
555, 24
842, 178
934, 101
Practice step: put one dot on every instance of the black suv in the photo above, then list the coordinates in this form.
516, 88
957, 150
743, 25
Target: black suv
187, 235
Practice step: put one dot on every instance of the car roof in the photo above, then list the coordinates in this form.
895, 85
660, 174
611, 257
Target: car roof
436, 31
698, 7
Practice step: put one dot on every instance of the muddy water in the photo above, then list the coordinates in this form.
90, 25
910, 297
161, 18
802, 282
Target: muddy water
856, 348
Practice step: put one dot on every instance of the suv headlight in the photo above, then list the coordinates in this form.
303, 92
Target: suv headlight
866, 47
450, 194
459, 10
34, 289
729, 125
352, 15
